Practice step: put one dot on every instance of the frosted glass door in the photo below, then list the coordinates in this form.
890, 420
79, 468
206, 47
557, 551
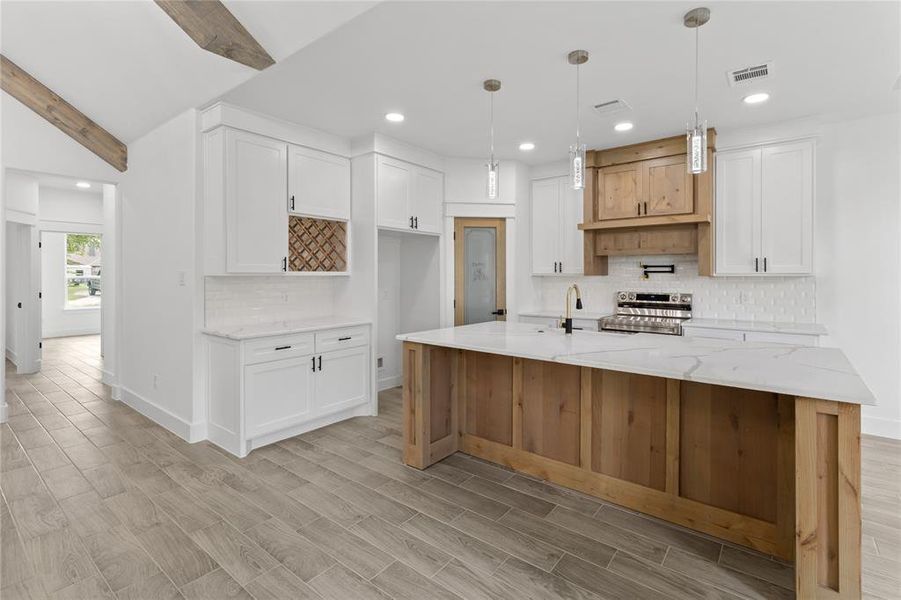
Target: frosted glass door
480, 271
481, 275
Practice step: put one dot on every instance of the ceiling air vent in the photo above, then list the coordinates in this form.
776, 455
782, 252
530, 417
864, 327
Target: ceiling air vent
611, 107
753, 73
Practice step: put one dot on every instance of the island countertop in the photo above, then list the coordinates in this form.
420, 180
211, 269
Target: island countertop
813, 372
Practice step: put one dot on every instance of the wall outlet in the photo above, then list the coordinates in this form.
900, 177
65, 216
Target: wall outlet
379, 362
182, 278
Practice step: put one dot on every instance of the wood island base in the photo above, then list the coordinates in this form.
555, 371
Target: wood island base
776, 473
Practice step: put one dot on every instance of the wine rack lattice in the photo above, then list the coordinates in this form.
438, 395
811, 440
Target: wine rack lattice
316, 244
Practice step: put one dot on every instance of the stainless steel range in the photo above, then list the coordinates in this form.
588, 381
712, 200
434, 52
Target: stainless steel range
648, 312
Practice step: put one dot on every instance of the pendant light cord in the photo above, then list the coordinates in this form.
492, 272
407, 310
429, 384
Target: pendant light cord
578, 120
491, 129
697, 70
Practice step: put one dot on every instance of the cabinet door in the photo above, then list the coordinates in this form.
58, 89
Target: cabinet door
572, 250
737, 212
256, 191
318, 183
277, 394
787, 208
545, 226
342, 380
427, 200
619, 191
394, 183
668, 187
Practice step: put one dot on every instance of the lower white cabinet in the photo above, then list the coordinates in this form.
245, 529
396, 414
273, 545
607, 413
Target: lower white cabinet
263, 390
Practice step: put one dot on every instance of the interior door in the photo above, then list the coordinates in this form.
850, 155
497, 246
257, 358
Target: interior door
427, 200
256, 192
669, 187
738, 212
342, 380
318, 183
619, 191
787, 208
278, 394
545, 228
480, 268
393, 189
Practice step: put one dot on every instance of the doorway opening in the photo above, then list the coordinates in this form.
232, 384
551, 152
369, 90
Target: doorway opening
480, 270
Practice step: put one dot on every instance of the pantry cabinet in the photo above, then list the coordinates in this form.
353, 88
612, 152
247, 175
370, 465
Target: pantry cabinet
557, 244
262, 390
318, 184
764, 210
408, 197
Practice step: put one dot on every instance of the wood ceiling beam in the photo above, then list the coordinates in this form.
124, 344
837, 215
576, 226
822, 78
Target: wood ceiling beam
35, 95
215, 29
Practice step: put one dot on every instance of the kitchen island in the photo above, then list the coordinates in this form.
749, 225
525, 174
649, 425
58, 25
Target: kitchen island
754, 443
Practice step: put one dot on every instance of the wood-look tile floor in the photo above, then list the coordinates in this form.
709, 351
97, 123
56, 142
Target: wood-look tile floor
99, 502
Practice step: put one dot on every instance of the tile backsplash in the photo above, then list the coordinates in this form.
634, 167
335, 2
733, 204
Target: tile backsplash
781, 299
230, 301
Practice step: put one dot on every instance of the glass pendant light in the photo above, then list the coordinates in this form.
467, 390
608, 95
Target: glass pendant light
491, 86
577, 151
696, 131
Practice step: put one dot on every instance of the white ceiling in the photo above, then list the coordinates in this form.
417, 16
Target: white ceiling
129, 67
68, 184
428, 59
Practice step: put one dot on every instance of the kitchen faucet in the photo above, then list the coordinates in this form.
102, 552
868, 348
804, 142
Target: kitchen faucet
568, 322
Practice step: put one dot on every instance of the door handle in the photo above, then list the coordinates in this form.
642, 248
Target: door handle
499, 312
19, 305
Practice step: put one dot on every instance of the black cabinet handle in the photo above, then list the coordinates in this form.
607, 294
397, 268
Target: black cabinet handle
314, 364
320, 362
19, 305
764, 264
411, 222
639, 209
282, 347
756, 263
561, 266
415, 222
646, 207
285, 264
292, 202
344, 339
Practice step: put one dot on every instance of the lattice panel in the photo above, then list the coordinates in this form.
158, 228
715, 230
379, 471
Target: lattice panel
316, 244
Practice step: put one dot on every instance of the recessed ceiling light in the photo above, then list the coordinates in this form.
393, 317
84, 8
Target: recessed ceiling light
394, 117
527, 146
756, 98
83, 185
624, 126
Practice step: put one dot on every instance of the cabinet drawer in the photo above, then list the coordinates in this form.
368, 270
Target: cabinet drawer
336, 339
277, 348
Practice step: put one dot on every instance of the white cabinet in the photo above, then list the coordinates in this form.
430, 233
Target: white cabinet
262, 390
408, 197
557, 246
255, 191
282, 392
318, 184
764, 210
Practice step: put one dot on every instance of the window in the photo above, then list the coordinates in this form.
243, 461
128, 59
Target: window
83, 268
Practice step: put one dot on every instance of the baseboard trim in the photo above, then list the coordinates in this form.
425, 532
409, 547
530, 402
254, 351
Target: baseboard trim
71, 332
12, 357
878, 426
161, 416
390, 382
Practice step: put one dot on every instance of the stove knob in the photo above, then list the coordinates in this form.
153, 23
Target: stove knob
622, 295
674, 297
632, 296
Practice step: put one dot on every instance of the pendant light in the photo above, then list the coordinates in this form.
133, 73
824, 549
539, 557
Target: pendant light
696, 132
577, 151
491, 86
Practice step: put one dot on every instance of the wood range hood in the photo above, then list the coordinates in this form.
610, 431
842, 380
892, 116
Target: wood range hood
640, 200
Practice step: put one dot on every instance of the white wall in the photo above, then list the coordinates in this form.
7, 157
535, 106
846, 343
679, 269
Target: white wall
56, 319
158, 329
388, 348
21, 197
60, 209
857, 257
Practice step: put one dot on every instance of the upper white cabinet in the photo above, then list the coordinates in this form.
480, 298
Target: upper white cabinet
318, 184
557, 244
255, 191
764, 210
408, 197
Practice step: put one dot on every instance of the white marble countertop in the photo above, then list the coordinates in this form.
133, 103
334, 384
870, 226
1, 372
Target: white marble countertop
761, 326
258, 330
779, 368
